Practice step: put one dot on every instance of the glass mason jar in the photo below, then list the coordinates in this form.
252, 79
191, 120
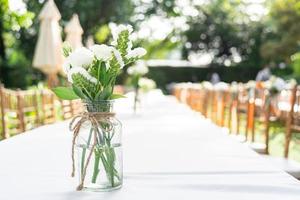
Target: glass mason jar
100, 152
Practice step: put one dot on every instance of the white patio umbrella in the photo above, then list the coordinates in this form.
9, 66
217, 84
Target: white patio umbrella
48, 55
74, 32
89, 42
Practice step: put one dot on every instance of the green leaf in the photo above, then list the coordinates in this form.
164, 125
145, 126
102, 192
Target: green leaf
65, 93
102, 75
106, 92
78, 92
117, 96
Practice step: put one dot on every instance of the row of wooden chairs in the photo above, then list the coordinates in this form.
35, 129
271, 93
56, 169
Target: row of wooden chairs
22, 110
227, 104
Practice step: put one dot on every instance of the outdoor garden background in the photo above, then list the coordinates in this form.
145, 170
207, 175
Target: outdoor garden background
186, 40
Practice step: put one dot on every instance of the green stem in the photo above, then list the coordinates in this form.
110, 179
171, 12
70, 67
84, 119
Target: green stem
84, 150
96, 167
108, 160
111, 163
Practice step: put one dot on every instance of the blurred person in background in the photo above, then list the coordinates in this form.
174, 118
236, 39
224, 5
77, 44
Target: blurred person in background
264, 74
215, 78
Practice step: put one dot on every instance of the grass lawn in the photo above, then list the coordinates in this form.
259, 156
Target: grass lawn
277, 139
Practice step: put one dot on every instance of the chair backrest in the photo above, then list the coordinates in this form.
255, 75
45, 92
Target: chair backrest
29, 108
218, 106
70, 108
194, 97
231, 105
293, 118
119, 89
11, 112
77, 107
48, 106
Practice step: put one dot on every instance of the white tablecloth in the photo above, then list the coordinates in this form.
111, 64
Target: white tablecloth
169, 153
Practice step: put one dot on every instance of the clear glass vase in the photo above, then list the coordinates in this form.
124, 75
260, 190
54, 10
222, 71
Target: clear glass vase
100, 152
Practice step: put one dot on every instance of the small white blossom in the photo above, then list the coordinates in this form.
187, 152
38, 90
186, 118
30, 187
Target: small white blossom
129, 45
66, 66
102, 52
81, 57
118, 57
139, 69
146, 84
81, 71
136, 53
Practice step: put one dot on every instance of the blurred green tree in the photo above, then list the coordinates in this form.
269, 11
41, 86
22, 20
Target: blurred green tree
19, 31
11, 56
225, 30
284, 31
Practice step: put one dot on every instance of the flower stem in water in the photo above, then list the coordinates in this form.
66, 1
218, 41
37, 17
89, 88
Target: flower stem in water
84, 150
96, 166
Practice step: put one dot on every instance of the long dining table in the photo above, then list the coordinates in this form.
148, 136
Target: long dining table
169, 151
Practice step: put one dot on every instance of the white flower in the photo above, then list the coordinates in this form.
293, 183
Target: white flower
66, 66
81, 57
102, 52
118, 57
147, 84
139, 69
81, 71
129, 45
136, 53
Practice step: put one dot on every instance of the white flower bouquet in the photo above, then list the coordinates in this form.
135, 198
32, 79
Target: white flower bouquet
92, 73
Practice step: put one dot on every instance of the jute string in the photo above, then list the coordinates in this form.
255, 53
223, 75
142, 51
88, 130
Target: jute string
75, 125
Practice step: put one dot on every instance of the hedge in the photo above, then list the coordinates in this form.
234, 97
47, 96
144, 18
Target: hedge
165, 75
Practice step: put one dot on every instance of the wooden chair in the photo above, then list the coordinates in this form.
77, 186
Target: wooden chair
264, 110
176, 91
293, 119
218, 103
194, 97
29, 109
48, 106
239, 112
258, 112
231, 105
119, 89
221, 97
202, 100
292, 124
70, 108
11, 113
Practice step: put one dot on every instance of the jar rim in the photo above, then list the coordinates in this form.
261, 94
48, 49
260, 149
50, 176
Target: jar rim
98, 101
